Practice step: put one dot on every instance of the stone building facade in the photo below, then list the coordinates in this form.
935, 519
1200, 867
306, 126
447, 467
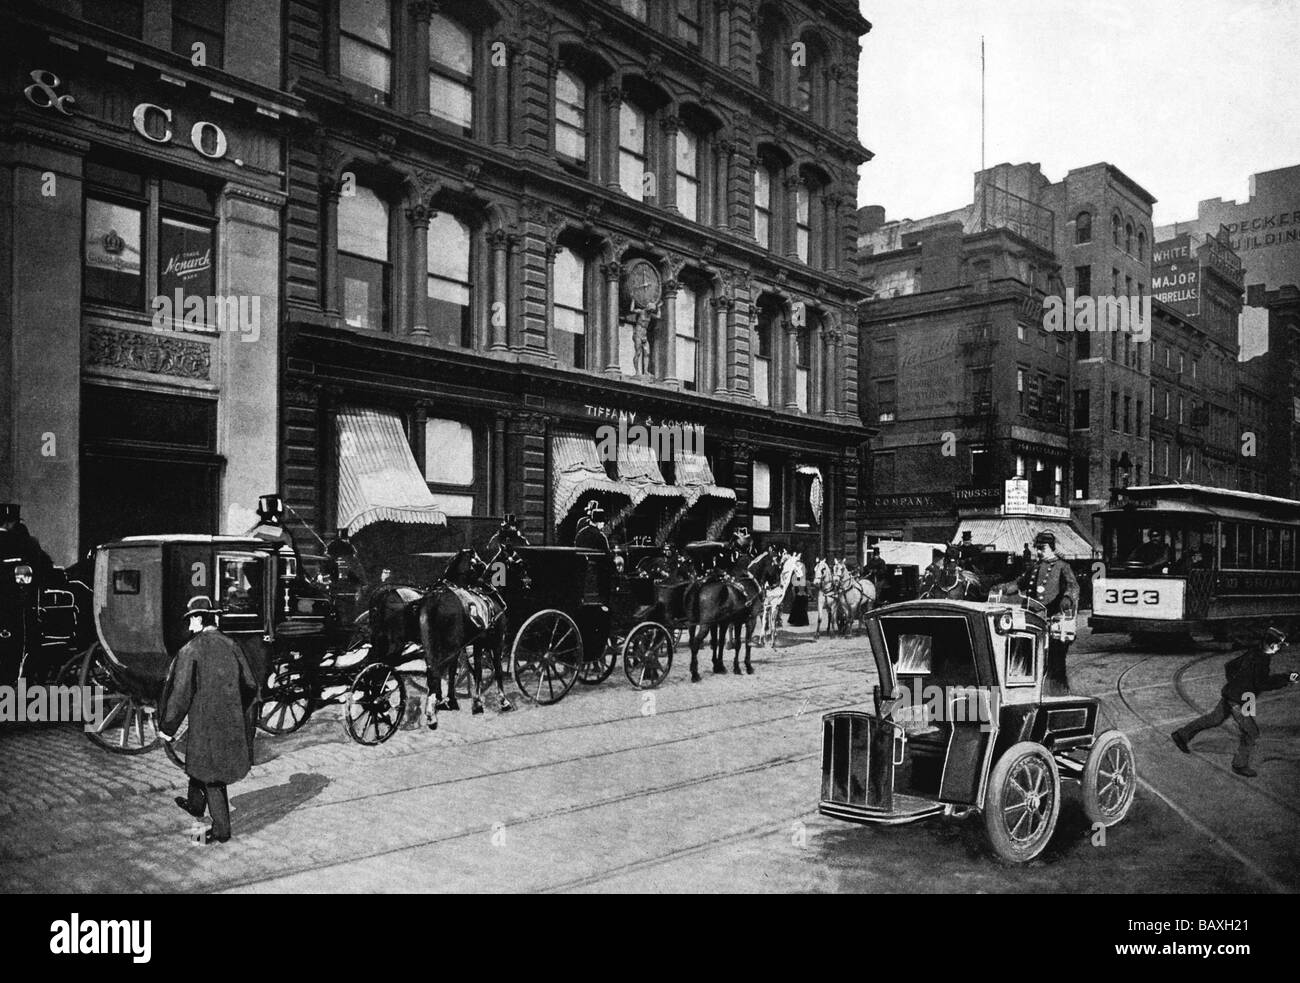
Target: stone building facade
513, 224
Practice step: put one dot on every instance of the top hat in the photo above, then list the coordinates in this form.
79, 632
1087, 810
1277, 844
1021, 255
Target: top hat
965, 536
875, 549
1045, 538
199, 604
10, 511
1272, 635
269, 506
594, 512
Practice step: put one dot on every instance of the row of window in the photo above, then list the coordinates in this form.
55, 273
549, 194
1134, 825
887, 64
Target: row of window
198, 27
1122, 233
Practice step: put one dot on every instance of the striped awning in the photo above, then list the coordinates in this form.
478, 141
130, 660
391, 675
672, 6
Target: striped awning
1009, 533
696, 477
378, 477
638, 465
576, 469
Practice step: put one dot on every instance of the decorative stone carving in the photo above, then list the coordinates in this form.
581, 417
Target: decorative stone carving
157, 354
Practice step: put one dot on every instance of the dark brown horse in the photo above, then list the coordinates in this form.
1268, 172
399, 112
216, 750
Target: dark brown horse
731, 597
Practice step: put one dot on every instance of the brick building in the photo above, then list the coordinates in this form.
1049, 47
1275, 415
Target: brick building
1274, 380
511, 223
142, 193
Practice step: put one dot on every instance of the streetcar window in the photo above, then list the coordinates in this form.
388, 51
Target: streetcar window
1261, 548
1243, 546
1288, 549
1274, 548
1228, 546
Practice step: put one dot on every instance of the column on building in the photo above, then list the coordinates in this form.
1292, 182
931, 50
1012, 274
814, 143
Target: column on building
607, 355
666, 363
613, 96
498, 240
419, 216
329, 268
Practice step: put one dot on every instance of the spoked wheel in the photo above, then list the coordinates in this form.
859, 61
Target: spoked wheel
127, 723
465, 672
647, 655
593, 671
176, 748
1109, 779
546, 655
288, 701
1022, 802
375, 704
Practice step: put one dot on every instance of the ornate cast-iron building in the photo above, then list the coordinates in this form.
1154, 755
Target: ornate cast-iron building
511, 225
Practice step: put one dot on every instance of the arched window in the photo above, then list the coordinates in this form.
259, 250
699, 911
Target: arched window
632, 150
763, 180
571, 116
809, 63
570, 306
366, 43
1142, 244
686, 315
451, 72
450, 284
688, 173
1128, 238
1114, 228
770, 55
762, 383
365, 273
1083, 228
802, 220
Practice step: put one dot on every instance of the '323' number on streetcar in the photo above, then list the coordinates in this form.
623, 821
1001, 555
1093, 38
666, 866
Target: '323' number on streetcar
1132, 596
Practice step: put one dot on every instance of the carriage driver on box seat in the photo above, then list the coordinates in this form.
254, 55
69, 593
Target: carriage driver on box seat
591, 530
1052, 583
17, 543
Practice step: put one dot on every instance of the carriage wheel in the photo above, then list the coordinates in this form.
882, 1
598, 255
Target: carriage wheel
177, 747
1022, 802
127, 724
375, 703
1109, 779
593, 671
546, 655
465, 671
287, 704
648, 655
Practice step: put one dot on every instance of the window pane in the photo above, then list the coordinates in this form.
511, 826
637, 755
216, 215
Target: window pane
686, 355
801, 243
185, 260
570, 141
631, 174
570, 273
761, 228
570, 115
449, 248
687, 152
363, 225
762, 494
185, 36
801, 389
364, 64
688, 197
637, 8
112, 272
364, 290
450, 45
631, 129
762, 394
626, 360
367, 19
801, 205
448, 452
450, 100
762, 189
684, 314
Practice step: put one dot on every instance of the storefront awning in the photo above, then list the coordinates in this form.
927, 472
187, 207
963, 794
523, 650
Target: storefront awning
1009, 533
638, 465
696, 477
378, 477
576, 469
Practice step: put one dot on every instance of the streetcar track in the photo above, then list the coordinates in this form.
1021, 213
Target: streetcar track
529, 767
777, 762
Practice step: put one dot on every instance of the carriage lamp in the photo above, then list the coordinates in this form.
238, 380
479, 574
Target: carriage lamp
23, 574
1005, 622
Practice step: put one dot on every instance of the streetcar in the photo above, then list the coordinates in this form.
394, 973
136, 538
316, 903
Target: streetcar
1179, 559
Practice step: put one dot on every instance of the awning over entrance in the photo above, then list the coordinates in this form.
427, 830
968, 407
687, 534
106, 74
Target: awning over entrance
638, 466
576, 469
1009, 533
696, 477
378, 477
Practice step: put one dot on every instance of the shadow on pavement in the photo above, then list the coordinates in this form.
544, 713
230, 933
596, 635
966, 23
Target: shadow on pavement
260, 809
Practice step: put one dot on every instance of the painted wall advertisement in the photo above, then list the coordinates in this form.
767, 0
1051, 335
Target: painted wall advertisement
925, 360
1175, 275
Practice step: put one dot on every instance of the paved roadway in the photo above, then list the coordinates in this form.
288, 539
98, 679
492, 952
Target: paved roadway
705, 787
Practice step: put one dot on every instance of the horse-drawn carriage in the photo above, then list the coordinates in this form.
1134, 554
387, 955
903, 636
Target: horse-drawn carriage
280, 619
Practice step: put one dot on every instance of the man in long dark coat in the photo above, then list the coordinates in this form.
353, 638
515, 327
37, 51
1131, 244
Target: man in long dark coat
213, 684
1052, 583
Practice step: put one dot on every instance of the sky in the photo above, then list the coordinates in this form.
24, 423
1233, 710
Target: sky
1187, 97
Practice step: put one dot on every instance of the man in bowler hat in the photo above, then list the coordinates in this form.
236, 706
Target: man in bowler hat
212, 683
1248, 675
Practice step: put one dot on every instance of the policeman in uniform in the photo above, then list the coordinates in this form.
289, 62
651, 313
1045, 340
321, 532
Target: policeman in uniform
1052, 583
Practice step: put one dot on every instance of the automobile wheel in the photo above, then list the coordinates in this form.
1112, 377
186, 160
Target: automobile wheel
1109, 779
1022, 802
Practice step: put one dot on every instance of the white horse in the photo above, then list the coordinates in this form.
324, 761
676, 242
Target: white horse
852, 596
825, 600
772, 598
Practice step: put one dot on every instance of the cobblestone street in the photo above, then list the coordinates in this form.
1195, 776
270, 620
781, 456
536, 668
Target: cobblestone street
700, 787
